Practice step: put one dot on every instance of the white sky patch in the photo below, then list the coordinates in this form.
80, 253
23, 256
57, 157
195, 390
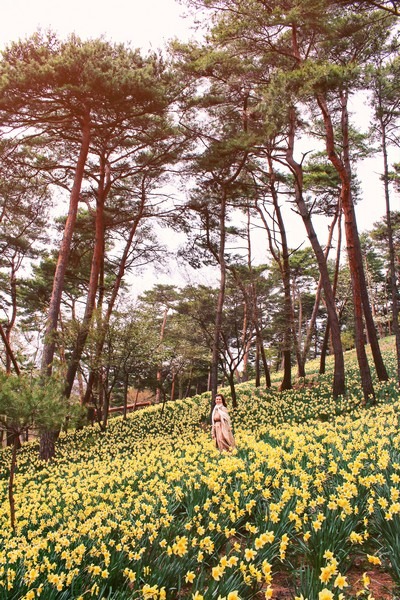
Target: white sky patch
142, 23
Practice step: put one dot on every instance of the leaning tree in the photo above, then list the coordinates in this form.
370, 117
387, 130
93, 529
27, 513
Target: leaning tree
65, 95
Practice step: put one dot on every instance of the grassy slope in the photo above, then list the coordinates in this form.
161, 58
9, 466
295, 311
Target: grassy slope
312, 487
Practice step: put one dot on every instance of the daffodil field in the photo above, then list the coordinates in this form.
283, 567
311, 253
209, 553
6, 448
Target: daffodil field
151, 510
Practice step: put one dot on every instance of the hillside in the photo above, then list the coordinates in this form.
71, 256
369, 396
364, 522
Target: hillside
307, 506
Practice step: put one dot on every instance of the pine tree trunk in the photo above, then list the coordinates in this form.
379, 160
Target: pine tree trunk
47, 438
232, 388
9, 353
346, 200
159, 372
126, 385
10, 358
265, 367
220, 300
58, 283
103, 323
173, 383
311, 325
257, 365
11, 481
47, 445
97, 260
324, 349
261, 351
339, 372
393, 280
371, 329
282, 261
286, 383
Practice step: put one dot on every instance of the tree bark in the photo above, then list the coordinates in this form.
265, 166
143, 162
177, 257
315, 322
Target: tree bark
231, 378
246, 343
339, 372
392, 265
159, 372
282, 260
311, 325
257, 365
9, 351
221, 297
47, 444
347, 207
265, 363
324, 348
222, 283
369, 321
173, 384
97, 261
126, 385
114, 294
325, 342
47, 439
10, 325
11, 481
259, 340
58, 283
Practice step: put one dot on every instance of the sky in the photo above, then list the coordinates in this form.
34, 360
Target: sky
150, 24
140, 22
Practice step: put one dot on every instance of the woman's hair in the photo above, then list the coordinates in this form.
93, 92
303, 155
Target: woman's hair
222, 398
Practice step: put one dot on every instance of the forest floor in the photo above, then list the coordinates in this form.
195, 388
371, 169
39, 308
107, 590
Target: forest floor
381, 586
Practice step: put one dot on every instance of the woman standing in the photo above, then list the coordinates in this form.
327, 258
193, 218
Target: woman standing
221, 428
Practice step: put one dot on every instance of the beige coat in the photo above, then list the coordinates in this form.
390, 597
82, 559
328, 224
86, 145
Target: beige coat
221, 428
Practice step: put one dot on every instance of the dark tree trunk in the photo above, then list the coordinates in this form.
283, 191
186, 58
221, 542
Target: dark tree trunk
347, 207
371, 329
257, 365
261, 351
311, 326
265, 367
126, 385
232, 388
286, 383
297, 332
339, 372
9, 352
88, 397
103, 323
366, 305
47, 445
324, 349
189, 383
221, 298
10, 359
97, 261
58, 283
12, 438
173, 383
11, 480
392, 256
159, 370
105, 398
325, 342
282, 260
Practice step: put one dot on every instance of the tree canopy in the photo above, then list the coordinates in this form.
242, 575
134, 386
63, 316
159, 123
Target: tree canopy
104, 150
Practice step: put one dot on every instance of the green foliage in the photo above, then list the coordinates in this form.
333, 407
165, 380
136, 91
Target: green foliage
29, 401
78, 71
